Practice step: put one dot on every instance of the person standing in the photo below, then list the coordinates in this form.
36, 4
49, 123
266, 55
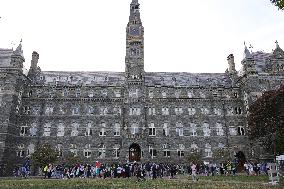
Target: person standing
45, 171
193, 172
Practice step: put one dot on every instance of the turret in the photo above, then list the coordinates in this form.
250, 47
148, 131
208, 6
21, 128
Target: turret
249, 63
17, 58
277, 60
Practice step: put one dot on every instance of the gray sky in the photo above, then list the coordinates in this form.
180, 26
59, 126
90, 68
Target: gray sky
180, 35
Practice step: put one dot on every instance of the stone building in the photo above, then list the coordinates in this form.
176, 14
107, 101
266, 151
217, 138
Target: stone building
132, 115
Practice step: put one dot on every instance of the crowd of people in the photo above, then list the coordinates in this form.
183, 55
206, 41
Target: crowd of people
143, 170
98, 170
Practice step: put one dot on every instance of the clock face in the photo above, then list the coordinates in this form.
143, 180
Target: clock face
134, 31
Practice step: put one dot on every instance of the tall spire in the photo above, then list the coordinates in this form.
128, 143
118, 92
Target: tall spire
134, 67
134, 17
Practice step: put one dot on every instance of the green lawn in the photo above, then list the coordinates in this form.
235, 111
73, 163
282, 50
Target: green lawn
218, 182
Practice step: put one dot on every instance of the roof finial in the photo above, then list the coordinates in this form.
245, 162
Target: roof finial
277, 44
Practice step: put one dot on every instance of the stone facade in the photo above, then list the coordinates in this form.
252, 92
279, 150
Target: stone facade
112, 116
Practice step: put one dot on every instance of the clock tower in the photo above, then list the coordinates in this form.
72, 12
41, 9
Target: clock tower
134, 117
134, 60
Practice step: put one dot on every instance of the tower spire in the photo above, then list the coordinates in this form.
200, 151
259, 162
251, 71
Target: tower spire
134, 17
134, 44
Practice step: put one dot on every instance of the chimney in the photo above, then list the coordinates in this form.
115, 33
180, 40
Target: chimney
34, 61
231, 62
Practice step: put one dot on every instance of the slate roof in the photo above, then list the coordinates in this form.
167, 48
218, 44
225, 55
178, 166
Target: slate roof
83, 78
184, 79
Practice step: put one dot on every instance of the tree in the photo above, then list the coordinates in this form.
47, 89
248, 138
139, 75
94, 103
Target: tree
71, 159
266, 120
221, 155
278, 3
43, 155
195, 156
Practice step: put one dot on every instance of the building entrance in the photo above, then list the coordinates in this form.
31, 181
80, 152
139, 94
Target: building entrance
134, 152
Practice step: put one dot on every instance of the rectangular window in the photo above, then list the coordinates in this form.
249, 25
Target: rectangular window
117, 111
153, 152
206, 129
134, 93
46, 130
134, 129
151, 94
77, 93
75, 111
151, 111
219, 129
89, 130
65, 93
87, 153
91, 94
74, 131
191, 111
48, 110
116, 131
241, 131
134, 111
116, 153
238, 111
166, 129
167, 153
180, 153
60, 130
90, 110
103, 132
165, 111
178, 111
193, 129
164, 94
103, 111
152, 132
208, 152
179, 131
24, 130
190, 94
102, 153
117, 93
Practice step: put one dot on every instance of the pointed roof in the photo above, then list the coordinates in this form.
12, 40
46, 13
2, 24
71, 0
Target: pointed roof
135, 13
247, 53
278, 52
19, 50
134, 2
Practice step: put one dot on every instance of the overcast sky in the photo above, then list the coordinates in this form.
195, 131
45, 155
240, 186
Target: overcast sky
180, 35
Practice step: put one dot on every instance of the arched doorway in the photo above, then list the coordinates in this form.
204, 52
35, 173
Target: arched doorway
241, 159
134, 152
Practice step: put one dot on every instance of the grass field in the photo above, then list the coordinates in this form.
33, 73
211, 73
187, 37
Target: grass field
218, 182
